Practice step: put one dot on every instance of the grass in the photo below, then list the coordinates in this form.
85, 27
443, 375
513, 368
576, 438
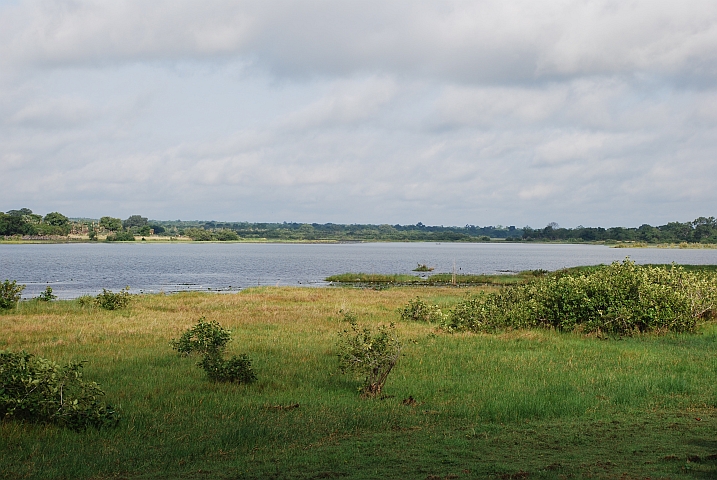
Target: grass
524, 404
368, 279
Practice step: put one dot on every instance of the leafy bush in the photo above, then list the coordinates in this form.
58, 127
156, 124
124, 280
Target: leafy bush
113, 301
621, 298
10, 293
39, 390
367, 354
120, 237
419, 311
47, 295
209, 339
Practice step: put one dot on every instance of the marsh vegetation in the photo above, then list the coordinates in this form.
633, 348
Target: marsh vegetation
517, 403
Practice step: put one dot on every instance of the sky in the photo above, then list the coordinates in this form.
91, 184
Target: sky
481, 112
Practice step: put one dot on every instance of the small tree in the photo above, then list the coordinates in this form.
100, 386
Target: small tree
47, 295
110, 223
10, 293
367, 354
209, 339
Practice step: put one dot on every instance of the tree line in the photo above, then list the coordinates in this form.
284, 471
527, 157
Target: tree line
700, 230
24, 222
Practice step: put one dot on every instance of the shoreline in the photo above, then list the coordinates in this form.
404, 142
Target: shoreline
72, 239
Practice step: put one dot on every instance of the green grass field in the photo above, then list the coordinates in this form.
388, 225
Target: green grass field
523, 404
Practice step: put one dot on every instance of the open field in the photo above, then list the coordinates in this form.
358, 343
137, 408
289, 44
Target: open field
523, 404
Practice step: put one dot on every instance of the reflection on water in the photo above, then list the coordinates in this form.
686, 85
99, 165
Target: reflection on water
77, 269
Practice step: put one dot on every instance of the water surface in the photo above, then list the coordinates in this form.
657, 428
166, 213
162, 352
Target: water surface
77, 269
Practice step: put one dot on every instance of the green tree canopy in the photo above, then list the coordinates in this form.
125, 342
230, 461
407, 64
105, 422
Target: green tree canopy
111, 224
135, 221
15, 225
56, 219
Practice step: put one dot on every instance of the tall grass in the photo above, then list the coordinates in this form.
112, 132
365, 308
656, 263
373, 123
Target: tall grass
470, 391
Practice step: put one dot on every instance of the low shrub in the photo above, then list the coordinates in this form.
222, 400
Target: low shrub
621, 298
10, 294
419, 311
120, 237
367, 354
209, 339
110, 300
47, 295
39, 390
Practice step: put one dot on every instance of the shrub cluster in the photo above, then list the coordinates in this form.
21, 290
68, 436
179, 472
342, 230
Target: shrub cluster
120, 236
39, 390
10, 293
621, 298
367, 354
113, 301
209, 339
419, 311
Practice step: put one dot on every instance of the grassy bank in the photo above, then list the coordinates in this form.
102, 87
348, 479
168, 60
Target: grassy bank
436, 279
532, 404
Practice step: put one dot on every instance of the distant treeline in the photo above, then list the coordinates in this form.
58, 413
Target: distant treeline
338, 232
701, 230
24, 222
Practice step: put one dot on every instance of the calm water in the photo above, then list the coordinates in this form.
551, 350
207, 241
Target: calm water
78, 269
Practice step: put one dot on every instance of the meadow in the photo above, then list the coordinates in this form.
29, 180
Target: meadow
513, 405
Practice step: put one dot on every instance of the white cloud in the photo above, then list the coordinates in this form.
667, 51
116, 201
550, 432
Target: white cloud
447, 112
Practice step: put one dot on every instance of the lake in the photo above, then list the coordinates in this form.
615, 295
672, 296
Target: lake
79, 269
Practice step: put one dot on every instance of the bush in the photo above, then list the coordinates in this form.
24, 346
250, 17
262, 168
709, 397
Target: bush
209, 339
120, 237
10, 293
39, 390
113, 301
367, 354
47, 295
419, 311
621, 298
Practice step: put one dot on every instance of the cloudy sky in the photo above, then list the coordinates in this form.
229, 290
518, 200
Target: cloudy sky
590, 112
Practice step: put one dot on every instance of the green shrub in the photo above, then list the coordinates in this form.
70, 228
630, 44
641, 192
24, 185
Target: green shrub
419, 311
367, 354
47, 295
120, 237
621, 298
113, 301
10, 293
209, 339
39, 390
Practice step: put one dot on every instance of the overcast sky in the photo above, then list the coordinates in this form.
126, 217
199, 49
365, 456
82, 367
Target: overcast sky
599, 113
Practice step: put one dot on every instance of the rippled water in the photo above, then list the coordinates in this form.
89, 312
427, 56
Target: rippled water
76, 269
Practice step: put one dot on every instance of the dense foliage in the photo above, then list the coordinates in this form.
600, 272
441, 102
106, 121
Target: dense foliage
110, 300
622, 298
39, 390
367, 354
700, 230
419, 311
201, 235
10, 293
120, 237
209, 339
